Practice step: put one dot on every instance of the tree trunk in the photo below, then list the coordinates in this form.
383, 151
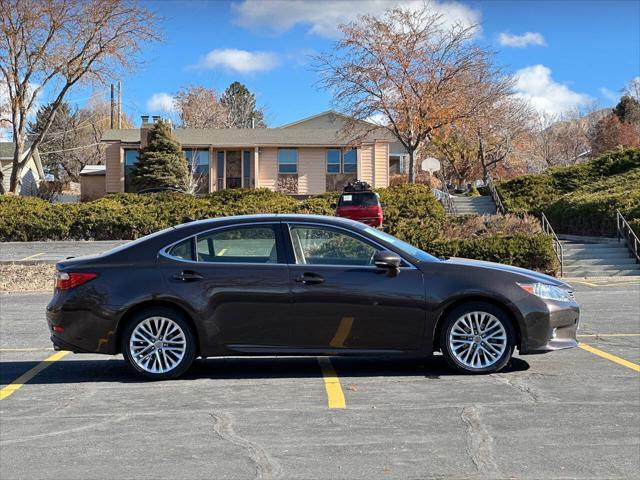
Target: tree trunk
15, 180
412, 168
485, 169
2, 192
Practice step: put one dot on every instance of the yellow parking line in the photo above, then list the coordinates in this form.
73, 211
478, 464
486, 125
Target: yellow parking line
608, 356
335, 396
25, 377
32, 256
585, 283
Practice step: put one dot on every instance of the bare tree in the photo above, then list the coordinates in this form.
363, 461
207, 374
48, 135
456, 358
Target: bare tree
412, 71
199, 107
54, 44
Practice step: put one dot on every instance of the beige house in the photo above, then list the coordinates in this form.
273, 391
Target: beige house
306, 157
32, 173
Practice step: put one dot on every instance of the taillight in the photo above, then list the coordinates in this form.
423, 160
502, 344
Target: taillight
67, 280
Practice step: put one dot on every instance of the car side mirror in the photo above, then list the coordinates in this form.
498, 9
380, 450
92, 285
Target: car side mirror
333, 205
388, 261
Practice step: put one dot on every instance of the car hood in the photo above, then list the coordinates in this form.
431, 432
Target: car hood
533, 276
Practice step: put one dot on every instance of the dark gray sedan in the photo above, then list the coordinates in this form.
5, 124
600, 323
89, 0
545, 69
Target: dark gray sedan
300, 285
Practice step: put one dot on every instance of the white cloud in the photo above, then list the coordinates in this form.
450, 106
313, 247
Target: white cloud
521, 41
161, 102
240, 61
324, 17
534, 83
609, 95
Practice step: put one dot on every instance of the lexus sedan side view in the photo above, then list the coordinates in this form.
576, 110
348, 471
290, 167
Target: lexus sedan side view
300, 285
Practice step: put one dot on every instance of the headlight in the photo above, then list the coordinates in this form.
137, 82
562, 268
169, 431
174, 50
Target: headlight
549, 292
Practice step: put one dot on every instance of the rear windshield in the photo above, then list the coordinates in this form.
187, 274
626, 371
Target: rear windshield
358, 199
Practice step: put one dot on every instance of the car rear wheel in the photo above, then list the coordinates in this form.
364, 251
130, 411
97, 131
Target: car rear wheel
158, 344
477, 338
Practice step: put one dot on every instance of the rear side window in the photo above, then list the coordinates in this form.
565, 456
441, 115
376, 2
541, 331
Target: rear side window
358, 199
182, 250
238, 245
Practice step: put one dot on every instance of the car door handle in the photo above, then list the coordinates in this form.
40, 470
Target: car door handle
310, 279
188, 276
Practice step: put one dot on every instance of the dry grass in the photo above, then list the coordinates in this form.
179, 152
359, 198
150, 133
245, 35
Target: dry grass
27, 278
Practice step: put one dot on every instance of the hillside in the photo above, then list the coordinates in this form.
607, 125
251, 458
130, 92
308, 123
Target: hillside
581, 199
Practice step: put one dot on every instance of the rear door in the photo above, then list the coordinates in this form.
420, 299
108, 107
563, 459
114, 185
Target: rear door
342, 301
237, 278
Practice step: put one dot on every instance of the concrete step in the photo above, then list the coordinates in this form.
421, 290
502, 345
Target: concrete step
574, 256
611, 273
592, 246
600, 261
605, 270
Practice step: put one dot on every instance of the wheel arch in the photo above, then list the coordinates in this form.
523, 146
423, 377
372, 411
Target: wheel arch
139, 307
502, 305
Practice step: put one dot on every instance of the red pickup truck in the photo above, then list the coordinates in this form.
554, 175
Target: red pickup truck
359, 202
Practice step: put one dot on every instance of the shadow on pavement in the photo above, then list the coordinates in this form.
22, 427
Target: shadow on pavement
115, 369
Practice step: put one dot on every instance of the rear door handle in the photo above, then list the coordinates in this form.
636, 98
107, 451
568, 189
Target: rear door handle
188, 276
310, 279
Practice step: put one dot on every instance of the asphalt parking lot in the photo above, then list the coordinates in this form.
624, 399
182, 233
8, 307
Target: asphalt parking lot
570, 414
51, 252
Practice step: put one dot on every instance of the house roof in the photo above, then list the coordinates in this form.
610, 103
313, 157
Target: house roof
229, 137
92, 170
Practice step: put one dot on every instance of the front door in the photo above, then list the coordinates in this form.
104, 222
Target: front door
342, 301
234, 169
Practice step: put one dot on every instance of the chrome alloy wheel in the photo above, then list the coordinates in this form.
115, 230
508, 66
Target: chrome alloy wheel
157, 344
478, 340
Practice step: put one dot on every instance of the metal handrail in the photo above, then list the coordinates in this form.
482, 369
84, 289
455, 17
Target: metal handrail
557, 245
625, 231
496, 197
449, 205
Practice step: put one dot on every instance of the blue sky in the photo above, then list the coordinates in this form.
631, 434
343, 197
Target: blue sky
565, 54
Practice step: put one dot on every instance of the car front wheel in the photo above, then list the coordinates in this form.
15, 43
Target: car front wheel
158, 344
477, 338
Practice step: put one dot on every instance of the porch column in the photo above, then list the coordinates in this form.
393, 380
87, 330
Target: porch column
255, 167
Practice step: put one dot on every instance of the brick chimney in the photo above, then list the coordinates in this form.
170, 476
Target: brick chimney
144, 130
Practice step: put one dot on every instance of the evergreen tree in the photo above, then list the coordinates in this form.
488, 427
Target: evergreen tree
628, 110
161, 162
240, 104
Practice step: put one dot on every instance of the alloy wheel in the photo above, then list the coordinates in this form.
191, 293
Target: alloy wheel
157, 345
478, 340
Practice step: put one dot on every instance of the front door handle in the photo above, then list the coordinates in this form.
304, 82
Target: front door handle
310, 278
188, 276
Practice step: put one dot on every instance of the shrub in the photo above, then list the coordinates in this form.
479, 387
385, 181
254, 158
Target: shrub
411, 213
581, 199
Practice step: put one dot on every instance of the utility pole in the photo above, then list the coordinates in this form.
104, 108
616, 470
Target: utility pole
119, 105
113, 106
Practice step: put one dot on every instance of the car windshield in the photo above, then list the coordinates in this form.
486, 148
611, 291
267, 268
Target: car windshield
358, 199
404, 246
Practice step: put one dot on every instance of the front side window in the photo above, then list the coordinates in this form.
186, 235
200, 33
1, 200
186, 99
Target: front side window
326, 246
287, 160
334, 158
350, 161
238, 245
130, 160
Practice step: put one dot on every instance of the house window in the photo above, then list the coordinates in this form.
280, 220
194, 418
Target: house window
198, 161
334, 157
287, 160
220, 170
130, 159
246, 169
350, 161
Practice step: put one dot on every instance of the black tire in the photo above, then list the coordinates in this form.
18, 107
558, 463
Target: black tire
459, 312
189, 352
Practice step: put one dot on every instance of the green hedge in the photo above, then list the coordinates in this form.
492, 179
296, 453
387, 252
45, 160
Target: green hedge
581, 199
411, 212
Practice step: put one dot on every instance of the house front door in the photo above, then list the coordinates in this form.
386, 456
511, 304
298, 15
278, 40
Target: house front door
234, 169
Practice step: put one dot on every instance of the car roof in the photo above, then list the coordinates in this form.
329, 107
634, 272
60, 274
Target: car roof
274, 217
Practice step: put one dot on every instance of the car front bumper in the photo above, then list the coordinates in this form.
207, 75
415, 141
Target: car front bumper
551, 326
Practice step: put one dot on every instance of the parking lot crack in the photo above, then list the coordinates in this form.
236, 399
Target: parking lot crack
266, 466
479, 441
521, 385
